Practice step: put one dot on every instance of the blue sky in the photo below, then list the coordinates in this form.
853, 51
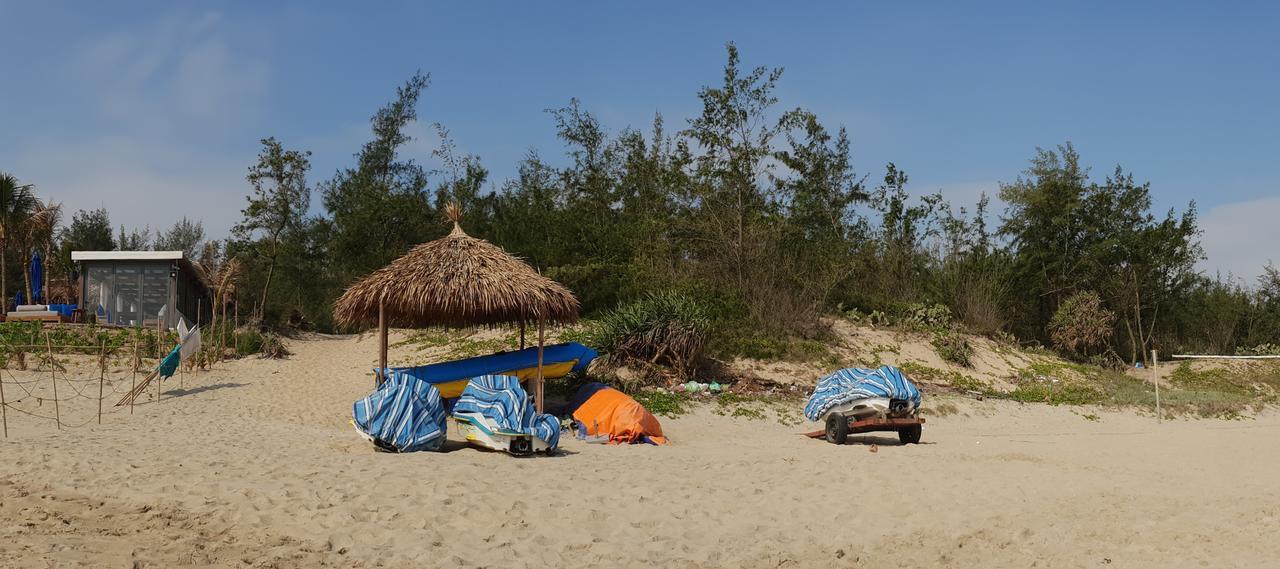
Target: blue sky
154, 110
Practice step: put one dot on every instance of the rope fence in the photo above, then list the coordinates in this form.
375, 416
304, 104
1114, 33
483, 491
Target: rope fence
32, 394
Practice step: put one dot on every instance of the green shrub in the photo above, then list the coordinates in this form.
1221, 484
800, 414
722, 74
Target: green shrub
1081, 324
920, 316
661, 328
953, 347
1056, 394
1267, 349
662, 402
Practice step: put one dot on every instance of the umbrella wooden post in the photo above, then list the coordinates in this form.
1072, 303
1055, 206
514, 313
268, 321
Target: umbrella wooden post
537, 388
522, 334
382, 345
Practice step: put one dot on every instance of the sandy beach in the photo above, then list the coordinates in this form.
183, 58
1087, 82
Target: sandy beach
254, 464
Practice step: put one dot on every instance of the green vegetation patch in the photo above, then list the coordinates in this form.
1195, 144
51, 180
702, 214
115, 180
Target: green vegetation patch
663, 403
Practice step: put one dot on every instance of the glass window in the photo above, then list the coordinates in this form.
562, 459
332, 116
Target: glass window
127, 288
97, 288
155, 294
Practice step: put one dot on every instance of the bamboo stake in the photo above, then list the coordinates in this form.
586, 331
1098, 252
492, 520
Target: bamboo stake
537, 389
159, 355
102, 374
57, 412
1155, 374
223, 337
132, 395
133, 382
4, 409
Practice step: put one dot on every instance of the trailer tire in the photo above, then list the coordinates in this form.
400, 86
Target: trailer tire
910, 435
837, 428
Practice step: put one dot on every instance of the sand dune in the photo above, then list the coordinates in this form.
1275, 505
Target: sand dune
254, 464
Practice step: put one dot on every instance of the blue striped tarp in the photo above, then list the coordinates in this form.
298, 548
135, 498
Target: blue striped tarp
404, 415
852, 384
500, 397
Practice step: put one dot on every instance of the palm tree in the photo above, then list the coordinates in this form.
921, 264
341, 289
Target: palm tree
16, 204
35, 233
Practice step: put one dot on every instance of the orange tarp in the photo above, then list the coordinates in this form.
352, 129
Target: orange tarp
612, 412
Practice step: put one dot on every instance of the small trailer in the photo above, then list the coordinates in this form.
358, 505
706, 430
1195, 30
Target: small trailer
839, 427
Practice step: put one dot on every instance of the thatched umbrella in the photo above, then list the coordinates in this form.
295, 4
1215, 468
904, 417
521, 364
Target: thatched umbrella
456, 281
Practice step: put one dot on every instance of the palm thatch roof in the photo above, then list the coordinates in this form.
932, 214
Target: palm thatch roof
455, 281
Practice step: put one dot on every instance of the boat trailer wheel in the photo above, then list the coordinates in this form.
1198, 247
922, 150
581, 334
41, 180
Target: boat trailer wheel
837, 428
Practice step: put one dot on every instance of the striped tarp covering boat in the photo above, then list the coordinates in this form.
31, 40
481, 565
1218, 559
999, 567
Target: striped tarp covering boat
500, 398
851, 384
403, 415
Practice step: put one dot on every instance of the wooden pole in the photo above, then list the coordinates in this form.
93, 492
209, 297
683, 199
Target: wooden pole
133, 383
382, 345
4, 409
159, 355
223, 351
102, 374
521, 333
236, 337
1155, 375
57, 412
537, 389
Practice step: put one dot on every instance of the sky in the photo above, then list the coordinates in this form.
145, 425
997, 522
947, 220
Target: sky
155, 110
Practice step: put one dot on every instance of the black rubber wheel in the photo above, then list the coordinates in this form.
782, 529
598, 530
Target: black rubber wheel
837, 428
910, 435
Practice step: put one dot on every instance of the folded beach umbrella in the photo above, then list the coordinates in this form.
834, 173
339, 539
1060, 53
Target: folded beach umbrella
603, 410
37, 278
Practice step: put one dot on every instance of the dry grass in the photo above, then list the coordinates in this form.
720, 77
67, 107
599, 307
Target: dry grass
457, 280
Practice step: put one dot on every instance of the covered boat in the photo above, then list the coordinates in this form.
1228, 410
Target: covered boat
861, 393
495, 412
402, 415
602, 411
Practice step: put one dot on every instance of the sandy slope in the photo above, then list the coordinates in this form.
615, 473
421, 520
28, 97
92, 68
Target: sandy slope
254, 465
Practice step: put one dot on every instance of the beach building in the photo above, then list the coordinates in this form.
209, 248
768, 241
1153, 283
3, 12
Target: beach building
140, 288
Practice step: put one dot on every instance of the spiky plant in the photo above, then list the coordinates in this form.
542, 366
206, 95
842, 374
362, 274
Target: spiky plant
664, 328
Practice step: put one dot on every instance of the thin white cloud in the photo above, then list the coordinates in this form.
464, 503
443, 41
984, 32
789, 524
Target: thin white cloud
155, 108
1240, 238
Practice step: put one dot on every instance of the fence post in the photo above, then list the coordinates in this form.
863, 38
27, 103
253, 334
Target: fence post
133, 383
4, 409
53, 377
102, 374
1155, 374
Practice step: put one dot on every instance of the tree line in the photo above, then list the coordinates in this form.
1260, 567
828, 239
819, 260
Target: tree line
752, 209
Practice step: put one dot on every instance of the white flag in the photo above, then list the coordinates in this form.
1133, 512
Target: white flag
188, 339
